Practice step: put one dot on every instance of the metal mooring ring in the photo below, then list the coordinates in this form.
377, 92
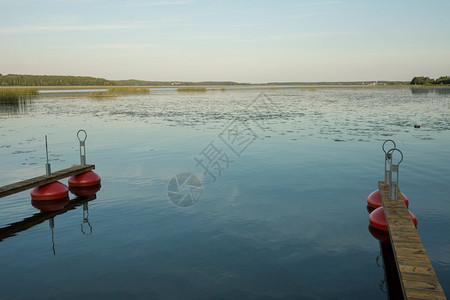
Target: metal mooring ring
392, 151
78, 135
385, 143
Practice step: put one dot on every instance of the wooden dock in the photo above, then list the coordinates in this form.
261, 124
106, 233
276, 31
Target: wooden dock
43, 179
417, 276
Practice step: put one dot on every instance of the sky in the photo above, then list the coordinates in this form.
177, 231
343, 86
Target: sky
250, 41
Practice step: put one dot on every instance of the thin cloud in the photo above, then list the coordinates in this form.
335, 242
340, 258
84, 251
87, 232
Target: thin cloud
248, 25
64, 28
118, 46
160, 3
297, 36
306, 15
102, 46
318, 3
213, 36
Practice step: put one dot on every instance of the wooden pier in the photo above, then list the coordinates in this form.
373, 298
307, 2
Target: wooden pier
43, 179
417, 276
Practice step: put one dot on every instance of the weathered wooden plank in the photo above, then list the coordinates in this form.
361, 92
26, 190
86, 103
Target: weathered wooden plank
413, 269
408, 242
423, 284
417, 276
413, 257
43, 179
420, 262
412, 249
414, 294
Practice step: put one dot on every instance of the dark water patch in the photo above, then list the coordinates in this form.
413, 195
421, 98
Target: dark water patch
23, 152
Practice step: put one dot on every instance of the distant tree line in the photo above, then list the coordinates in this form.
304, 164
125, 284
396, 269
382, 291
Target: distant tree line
135, 82
50, 80
422, 80
55, 80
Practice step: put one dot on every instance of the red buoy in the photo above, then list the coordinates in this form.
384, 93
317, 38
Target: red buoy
50, 191
374, 199
85, 191
50, 205
89, 178
377, 219
381, 235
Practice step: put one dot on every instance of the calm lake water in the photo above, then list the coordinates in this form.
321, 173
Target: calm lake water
236, 194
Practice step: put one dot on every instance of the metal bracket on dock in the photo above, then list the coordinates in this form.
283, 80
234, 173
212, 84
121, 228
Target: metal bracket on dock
387, 161
82, 146
48, 170
393, 168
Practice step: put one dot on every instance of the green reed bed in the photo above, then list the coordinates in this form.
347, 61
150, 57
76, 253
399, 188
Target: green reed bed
191, 89
128, 89
102, 95
308, 88
13, 95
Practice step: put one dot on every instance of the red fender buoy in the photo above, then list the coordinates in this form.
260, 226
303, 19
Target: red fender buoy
85, 179
50, 191
381, 235
377, 219
85, 191
370, 209
374, 199
50, 205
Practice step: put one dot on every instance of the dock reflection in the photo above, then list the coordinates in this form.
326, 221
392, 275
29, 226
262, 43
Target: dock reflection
38, 218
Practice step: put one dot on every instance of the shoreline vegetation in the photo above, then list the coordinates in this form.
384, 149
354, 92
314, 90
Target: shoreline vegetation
114, 91
422, 80
102, 95
124, 86
18, 87
128, 89
14, 95
191, 89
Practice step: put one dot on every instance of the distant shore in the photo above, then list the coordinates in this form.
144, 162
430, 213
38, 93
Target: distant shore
83, 82
228, 87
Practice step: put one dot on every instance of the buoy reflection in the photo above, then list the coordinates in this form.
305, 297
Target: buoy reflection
390, 284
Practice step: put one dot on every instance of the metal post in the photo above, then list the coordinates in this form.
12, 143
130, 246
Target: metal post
86, 220
51, 222
387, 161
82, 146
47, 165
394, 168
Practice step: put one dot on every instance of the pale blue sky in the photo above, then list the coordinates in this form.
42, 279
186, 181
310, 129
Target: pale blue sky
237, 40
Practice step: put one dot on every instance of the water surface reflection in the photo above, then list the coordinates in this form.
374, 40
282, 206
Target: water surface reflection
47, 205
